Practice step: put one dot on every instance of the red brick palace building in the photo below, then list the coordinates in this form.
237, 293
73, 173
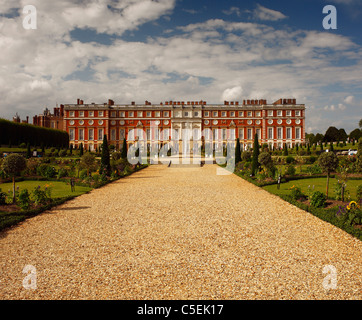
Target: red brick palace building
279, 123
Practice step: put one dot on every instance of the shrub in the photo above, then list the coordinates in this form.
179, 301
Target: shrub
246, 156
24, 199
46, 171
120, 165
265, 160
314, 169
359, 193
88, 162
2, 198
22, 145
83, 174
243, 168
302, 152
318, 199
40, 196
289, 159
32, 166
63, 153
297, 194
290, 170
311, 159
116, 156
62, 173
273, 172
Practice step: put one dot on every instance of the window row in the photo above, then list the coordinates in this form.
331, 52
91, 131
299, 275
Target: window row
270, 113
175, 134
283, 134
90, 136
149, 114
120, 114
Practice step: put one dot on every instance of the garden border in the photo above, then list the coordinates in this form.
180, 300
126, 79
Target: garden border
19, 216
327, 215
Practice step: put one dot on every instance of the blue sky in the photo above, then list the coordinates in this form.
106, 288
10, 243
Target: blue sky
137, 50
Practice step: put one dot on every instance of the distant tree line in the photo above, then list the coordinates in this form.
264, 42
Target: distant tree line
335, 135
13, 134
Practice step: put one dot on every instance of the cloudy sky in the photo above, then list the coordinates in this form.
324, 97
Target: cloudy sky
158, 50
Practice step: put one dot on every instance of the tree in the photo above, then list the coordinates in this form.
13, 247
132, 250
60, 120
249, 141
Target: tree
237, 152
255, 163
28, 151
285, 150
71, 149
328, 162
355, 134
318, 138
360, 124
265, 160
331, 147
13, 165
124, 149
310, 137
88, 162
332, 134
105, 158
81, 150
342, 135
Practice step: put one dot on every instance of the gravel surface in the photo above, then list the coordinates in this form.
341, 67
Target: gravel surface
179, 233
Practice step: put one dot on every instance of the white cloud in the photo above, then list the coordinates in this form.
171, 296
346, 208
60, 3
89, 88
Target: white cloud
232, 94
106, 16
232, 10
262, 13
331, 108
349, 100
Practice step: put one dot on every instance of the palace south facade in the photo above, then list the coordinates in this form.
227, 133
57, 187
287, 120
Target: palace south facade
279, 123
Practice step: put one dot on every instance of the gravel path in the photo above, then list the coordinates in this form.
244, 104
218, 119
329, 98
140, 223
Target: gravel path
179, 233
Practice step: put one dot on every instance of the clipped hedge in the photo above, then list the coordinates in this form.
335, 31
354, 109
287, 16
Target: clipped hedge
18, 133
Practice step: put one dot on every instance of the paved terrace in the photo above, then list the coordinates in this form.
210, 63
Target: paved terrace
179, 233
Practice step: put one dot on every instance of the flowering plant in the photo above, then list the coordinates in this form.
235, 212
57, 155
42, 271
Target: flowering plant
351, 213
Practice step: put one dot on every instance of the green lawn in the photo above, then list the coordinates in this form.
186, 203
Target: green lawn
59, 189
318, 183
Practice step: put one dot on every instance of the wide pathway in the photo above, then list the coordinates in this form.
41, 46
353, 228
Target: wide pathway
179, 233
